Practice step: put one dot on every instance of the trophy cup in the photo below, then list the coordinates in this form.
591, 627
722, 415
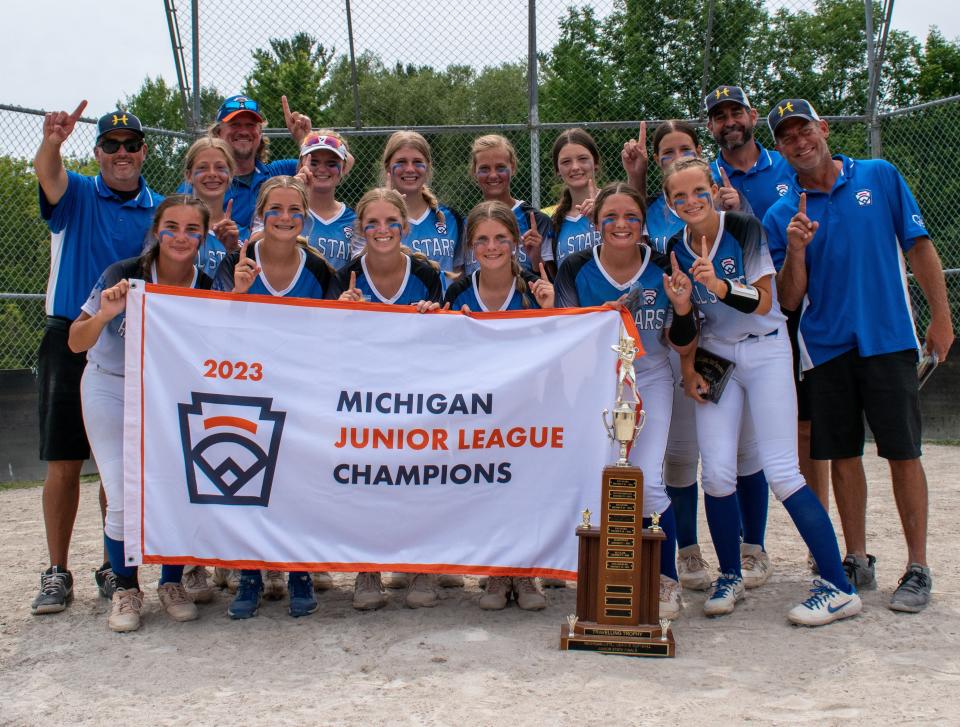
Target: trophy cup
618, 569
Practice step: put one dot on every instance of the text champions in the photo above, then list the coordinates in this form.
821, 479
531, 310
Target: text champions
388, 439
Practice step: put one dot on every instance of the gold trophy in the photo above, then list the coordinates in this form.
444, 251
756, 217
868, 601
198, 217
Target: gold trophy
618, 570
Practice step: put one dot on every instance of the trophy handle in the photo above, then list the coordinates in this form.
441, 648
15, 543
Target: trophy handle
608, 426
641, 420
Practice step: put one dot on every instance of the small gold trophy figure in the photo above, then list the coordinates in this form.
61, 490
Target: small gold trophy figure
618, 579
655, 522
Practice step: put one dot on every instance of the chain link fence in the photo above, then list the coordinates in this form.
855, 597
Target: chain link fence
455, 70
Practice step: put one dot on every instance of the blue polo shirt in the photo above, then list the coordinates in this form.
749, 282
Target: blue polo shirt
763, 184
244, 193
91, 228
857, 295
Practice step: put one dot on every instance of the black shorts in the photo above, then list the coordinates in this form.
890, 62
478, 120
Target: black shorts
59, 370
803, 403
883, 388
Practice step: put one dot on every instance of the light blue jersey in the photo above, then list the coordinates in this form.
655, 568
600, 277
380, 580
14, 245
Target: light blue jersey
420, 282
332, 237
576, 233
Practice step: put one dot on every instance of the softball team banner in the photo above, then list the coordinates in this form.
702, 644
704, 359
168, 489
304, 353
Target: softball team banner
320, 435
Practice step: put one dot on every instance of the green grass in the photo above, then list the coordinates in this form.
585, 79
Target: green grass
27, 484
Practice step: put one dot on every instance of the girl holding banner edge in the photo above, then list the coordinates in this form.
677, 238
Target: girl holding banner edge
389, 273
179, 226
624, 268
283, 265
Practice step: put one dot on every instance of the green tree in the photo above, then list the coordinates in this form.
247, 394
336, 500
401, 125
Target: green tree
939, 73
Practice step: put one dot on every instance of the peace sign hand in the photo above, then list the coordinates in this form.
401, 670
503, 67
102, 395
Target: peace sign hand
298, 124
245, 272
58, 125
727, 196
543, 290
226, 230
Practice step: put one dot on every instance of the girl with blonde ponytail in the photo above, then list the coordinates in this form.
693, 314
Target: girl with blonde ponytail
433, 230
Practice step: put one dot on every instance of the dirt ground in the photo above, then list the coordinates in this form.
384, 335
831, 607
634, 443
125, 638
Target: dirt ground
457, 665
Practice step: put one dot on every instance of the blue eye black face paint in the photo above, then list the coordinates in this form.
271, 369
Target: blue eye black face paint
390, 226
705, 196
296, 216
195, 236
270, 213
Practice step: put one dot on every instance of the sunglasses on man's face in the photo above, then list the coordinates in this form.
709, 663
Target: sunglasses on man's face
112, 146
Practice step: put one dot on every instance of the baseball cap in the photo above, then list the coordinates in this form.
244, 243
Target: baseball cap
318, 142
238, 105
118, 121
722, 94
790, 108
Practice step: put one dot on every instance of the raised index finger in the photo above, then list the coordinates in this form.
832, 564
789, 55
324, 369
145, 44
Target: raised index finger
79, 110
229, 210
593, 188
725, 178
802, 208
533, 221
243, 250
286, 107
353, 280
543, 273
642, 138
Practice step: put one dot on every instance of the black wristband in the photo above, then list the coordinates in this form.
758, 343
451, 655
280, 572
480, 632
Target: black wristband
683, 329
744, 298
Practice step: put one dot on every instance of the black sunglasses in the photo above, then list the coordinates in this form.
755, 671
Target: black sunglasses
112, 146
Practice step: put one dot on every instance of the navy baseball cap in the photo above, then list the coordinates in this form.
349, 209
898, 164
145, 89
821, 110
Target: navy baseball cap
119, 121
236, 105
722, 94
790, 108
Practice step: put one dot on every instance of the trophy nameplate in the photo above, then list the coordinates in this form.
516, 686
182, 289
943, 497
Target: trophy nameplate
618, 569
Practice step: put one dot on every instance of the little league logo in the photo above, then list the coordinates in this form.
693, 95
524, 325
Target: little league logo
441, 228
864, 197
917, 220
782, 189
230, 448
728, 265
348, 232
649, 296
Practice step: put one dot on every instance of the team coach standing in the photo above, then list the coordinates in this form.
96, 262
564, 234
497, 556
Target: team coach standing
94, 221
839, 238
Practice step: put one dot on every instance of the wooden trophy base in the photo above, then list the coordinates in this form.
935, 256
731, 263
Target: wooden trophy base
625, 641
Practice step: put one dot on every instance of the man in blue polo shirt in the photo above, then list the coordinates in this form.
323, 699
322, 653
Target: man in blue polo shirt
240, 123
839, 237
94, 222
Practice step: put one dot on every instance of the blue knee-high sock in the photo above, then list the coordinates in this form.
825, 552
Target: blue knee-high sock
684, 505
171, 574
668, 547
754, 495
127, 575
817, 532
723, 518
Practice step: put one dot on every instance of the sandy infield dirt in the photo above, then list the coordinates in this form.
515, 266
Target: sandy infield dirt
458, 665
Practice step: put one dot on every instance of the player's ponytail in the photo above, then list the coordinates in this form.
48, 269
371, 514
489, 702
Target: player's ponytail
431, 199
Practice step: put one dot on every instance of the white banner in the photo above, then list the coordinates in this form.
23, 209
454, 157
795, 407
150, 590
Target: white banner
315, 435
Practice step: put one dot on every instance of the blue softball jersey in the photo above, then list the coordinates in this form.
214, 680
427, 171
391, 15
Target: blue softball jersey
332, 237
463, 292
582, 281
420, 282
313, 279
212, 252
662, 223
521, 210
857, 294
91, 228
575, 234
738, 253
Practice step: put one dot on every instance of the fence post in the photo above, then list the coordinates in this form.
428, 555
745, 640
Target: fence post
195, 53
534, 120
873, 79
706, 54
353, 69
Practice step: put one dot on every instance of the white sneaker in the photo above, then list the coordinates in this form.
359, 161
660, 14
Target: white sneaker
496, 594
176, 602
125, 609
693, 569
754, 565
196, 585
274, 585
724, 594
826, 604
322, 581
396, 580
670, 603
368, 592
422, 592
